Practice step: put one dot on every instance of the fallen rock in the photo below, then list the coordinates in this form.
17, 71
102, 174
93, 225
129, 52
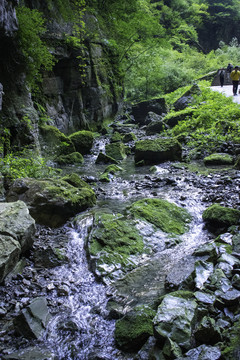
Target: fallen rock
32, 321
17, 228
140, 110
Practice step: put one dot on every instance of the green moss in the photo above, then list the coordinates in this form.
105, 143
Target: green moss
134, 328
82, 140
75, 180
167, 216
73, 158
116, 150
55, 141
113, 240
220, 215
116, 137
218, 159
231, 350
105, 159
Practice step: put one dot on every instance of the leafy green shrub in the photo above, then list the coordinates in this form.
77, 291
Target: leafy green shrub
24, 164
34, 49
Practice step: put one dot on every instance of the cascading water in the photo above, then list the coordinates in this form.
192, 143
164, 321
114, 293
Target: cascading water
81, 330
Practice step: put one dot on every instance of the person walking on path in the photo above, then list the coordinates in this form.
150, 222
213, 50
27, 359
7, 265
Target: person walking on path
235, 76
221, 77
229, 70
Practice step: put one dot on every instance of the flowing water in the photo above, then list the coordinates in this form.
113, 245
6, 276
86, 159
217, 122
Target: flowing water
81, 328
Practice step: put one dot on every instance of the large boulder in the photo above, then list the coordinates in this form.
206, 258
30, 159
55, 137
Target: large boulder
157, 150
54, 142
52, 202
174, 320
17, 228
82, 140
116, 150
217, 216
141, 110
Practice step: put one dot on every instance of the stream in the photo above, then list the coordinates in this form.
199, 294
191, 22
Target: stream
80, 327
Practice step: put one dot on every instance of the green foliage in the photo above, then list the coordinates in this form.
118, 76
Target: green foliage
214, 122
25, 164
34, 49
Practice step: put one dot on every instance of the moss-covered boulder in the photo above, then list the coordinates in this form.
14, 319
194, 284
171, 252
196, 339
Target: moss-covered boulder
167, 216
220, 216
116, 150
129, 137
114, 240
82, 140
54, 142
76, 181
73, 158
155, 151
116, 137
218, 159
109, 172
133, 330
52, 201
105, 159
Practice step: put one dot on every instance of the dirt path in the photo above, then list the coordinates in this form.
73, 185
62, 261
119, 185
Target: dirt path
227, 90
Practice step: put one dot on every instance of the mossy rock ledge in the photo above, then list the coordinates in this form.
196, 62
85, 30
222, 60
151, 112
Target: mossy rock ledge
155, 151
219, 216
219, 159
166, 216
52, 202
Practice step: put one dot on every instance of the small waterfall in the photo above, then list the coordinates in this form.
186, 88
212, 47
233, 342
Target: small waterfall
81, 330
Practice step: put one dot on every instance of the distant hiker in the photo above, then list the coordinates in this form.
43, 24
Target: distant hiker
229, 70
221, 77
235, 76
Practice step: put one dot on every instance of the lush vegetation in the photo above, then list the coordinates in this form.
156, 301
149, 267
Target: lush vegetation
213, 126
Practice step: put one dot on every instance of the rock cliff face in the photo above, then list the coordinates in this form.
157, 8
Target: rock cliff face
72, 101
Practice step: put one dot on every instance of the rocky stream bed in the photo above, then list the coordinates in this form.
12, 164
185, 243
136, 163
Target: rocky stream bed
109, 284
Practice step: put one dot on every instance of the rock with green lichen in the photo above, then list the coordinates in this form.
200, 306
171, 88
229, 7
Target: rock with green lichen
51, 202
129, 137
154, 151
73, 158
105, 159
116, 150
218, 159
220, 216
76, 181
133, 330
167, 216
82, 140
54, 142
116, 137
112, 244
109, 172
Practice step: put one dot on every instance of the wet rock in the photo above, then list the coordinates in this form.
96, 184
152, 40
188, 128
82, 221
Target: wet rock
174, 320
113, 243
109, 172
147, 350
203, 352
171, 350
17, 228
202, 272
140, 110
32, 321
129, 137
53, 141
157, 151
82, 140
51, 202
218, 216
180, 276
116, 151
205, 298
207, 332
49, 257
31, 353
209, 251
133, 330
229, 298
218, 281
